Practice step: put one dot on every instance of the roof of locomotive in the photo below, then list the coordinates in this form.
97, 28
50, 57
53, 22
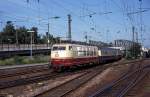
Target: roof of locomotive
107, 48
74, 43
61, 44
71, 44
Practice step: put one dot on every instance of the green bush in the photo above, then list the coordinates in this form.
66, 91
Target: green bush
2, 62
18, 60
26, 61
9, 61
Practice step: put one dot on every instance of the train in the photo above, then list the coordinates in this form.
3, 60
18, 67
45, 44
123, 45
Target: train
68, 55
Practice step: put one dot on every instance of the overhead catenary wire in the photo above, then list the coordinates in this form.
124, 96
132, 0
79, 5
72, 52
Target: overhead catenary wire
89, 14
73, 13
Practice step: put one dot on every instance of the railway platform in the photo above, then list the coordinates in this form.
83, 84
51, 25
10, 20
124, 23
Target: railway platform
7, 50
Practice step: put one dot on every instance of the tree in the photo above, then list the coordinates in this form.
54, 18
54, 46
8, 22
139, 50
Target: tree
23, 36
45, 38
8, 33
20, 35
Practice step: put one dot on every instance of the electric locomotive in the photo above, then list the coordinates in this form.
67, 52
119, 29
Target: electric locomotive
66, 55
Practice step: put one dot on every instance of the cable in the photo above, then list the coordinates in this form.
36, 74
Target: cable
68, 10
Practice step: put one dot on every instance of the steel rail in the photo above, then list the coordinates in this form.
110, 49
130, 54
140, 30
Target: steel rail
88, 75
124, 91
76, 87
109, 86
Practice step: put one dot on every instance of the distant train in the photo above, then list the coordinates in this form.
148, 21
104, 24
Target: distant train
68, 55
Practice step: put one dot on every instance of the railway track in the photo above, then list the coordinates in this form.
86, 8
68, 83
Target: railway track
21, 75
26, 77
46, 75
141, 89
71, 85
124, 84
16, 71
34, 78
66, 88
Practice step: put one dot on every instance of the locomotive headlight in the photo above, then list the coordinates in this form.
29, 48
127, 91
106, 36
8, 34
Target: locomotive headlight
56, 54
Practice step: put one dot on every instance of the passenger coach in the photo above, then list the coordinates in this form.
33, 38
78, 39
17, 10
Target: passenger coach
109, 54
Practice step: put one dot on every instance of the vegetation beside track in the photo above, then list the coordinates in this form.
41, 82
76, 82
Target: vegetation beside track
17, 60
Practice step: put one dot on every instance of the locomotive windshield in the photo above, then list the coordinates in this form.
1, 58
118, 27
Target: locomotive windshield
59, 48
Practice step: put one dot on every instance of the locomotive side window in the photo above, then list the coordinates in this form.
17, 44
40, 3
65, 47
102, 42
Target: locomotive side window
70, 47
94, 51
88, 51
79, 53
84, 51
91, 51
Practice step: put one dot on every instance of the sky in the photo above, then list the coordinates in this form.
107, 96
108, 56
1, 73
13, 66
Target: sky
102, 20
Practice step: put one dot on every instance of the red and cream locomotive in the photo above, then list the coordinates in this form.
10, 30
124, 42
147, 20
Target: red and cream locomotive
69, 55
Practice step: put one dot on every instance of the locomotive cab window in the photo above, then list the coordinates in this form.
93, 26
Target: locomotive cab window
55, 48
59, 48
